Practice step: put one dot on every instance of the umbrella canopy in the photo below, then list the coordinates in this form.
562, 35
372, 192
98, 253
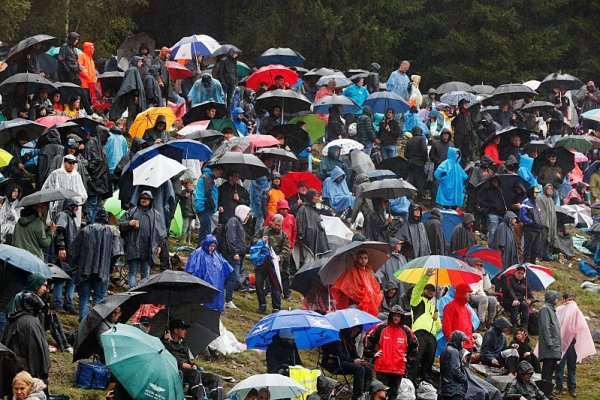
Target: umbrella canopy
492, 259
268, 73
507, 184
156, 171
281, 55
361, 162
455, 96
47, 196
581, 214
508, 132
348, 106
346, 146
150, 152
177, 71
197, 132
578, 143
563, 217
308, 276
24, 260
247, 165
454, 87
538, 105
9, 130
351, 317
260, 140
560, 80
388, 189
280, 387
290, 181
449, 271
310, 329
190, 46
290, 102
111, 80
532, 84
344, 258
191, 150
223, 50
131, 45
536, 145
52, 120
176, 287
511, 91
538, 276
33, 83
277, 153
594, 115
315, 126
141, 363
5, 158
564, 159
147, 119
58, 273
199, 112
338, 234
226, 146
294, 137
483, 89
69, 90
398, 165
24, 44
340, 81
380, 174
381, 101
589, 171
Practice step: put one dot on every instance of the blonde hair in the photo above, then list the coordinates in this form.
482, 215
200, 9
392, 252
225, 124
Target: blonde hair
35, 384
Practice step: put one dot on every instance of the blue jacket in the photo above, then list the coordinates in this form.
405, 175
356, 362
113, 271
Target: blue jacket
413, 119
115, 148
199, 94
338, 194
257, 189
357, 93
452, 178
524, 171
207, 193
241, 126
398, 83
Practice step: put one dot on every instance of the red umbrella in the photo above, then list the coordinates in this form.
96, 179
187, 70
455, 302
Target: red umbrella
289, 182
259, 140
177, 71
52, 120
492, 259
268, 73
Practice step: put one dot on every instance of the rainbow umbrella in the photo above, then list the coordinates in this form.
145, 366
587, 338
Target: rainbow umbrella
492, 259
538, 276
450, 271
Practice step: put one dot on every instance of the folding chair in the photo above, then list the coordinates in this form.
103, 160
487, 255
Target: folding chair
332, 368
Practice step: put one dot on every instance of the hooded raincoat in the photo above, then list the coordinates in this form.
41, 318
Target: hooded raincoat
504, 241
87, 66
462, 236
357, 285
519, 388
93, 252
310, 233
213, 92
336, 190
549, 345
115, 147
453, 372
451, 176
99, 182
457, 316
132, 85
141, 243
433, 229
413, 231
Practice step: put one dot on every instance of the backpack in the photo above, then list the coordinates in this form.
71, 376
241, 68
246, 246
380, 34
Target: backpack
220, 233
533, 327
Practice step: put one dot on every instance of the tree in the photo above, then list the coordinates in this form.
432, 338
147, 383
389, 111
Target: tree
13, 12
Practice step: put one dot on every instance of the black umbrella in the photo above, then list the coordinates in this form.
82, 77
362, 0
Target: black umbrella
47, 196
454, 87
536, 145
131, 45
290, 102
281, 55
540, 106
295, 138
560, 80
33, 83
562, 218
345, 256
354, 73
507, 183
398, 165
508, 132
69, 90
308, 275
202, 134
247, 165
483, 89
388, 189
9, 130
564, 159
224, 50
87, 338
381, 174
8, 370
277, 153
87, 123
199, 112
316, 73
511, 91
175, 287
111, 80
58, 273
24, 44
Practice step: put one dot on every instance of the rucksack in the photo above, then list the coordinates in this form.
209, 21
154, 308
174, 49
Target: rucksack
220, 233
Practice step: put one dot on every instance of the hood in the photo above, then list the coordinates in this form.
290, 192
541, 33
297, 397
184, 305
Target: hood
146, 193
531, 192
9, 189
136, 144
393, 241
396, 309
134, 61
367, 111
524, 368
452, 151
389, 286
461, 289
457, 338
411, 208
511, 160
242, 212
160, 119
332, 150
283, 204
72, 37
102, 216
508, 217
206, 79
486, 161
31, 303
526, 161
68, 203
310, 195
115, 130
467, 219
445, 135
53, 136
550, 297
375, 67
361, 178
208, 240
336, 173
417, 131
88, 48
501, 323
435, 214
26, 220
33, 282
236, 111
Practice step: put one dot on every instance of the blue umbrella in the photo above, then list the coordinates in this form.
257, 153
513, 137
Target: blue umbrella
281, 55
24, 260
150, 152
322, 105
587, 175
381, 174
351, 317
381, 101
450, 219
192, 150
310, 329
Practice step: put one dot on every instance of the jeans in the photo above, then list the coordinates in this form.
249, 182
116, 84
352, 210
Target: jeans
362, 376
205, 226
493, 221
262, 276
388, 151
3, 322
232, 279
92, 205
368, 148
570, 359
69, 291
188, 223
134, 266
85, 289
522, 309
229, 91
556, 197
486, 307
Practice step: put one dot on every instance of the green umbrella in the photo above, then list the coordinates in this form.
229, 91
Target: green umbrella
113, 205
243, 70
314, 125
220, 124
142, 364
177, 223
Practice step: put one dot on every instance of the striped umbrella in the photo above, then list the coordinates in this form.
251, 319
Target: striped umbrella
492, 259
538, 276
449, 271
186, 48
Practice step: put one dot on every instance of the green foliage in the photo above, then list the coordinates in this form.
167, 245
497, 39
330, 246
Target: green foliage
13, 13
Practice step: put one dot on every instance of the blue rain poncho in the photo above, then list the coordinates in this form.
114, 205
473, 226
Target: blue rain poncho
338, 194
451, 177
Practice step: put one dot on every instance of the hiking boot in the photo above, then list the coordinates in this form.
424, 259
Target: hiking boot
572, 392
229, 305
262, 309
558, 391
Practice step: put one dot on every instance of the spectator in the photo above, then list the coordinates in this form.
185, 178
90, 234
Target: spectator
453, 371
282, 353
435, 235
385, 273
289, 227
534, 226
388, 134
416, 154
235, 250
365, 132
98, 184
549, 345
451, 176
494, 350
413, 232
523, 345
231, 194
68, 63
206, 89
485, 305
26, 387
523, 387
457, 316
504, 240
335, 189
31, 233
516, 297
399, 83
311, 236
187, 201
207, 198
274, 195
462, 235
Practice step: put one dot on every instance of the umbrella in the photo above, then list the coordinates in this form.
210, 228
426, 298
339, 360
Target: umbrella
388, 189
450, 218
175, 287
260, 140
5, 158
351, 317
581, 214
177, 71
344, 257
290, 181
538, 276
398, 165
141, 363
199, 112
226, 146
356, 72
131, 45
560, 80
506, 133
150, 152
507, 184
346, 146
290, 102
454, 87
111, 80
204, 324
310, 329
348, 106
492, 259
449, 271
24, 44
380, 174
538, 105
221, 124
280, 387
338, 234
9, 130
532, 84
295, 138
564, 159
247, 165
191, 150
281, 55
314, 125
223, 50
190, 46
47, 196
51, 120
563, 217
381, 101
578, 143
589, 171
87, 342
197, 132
58, 273
277, 153
455, 96
511, 91
536, 145
594, 115
307, 276
32, 82
593, 140
87, 123
340, 81
268, 73
24, 260
361, 162
69, 90
146, 120
315, 74
243, 70
483, 89
580, 157
113, 205
156, 171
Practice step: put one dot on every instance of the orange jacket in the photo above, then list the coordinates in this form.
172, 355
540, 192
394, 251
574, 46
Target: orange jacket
88, 68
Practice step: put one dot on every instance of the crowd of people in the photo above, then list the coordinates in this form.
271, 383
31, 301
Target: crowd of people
492, 164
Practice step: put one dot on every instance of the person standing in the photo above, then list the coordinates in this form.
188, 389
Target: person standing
67, 177
534, 224
453, 372
365, 131
68, 63
398, 82
416, 154
66, 230
207, 198
462, 234
98, 185
311, 236
228, 75
235, 250
549, 344
457, 316
289, 227
31, 233
388, 134
451, 177
462, 126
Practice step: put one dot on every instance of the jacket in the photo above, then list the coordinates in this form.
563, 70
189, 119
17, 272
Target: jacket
422, 309
31, 234
549, 344
274, 196
68, 63
494, 341
207, 193
453, 373
87, 71
225, 199
288, 226
439, 151
365, 132
416, 150
228, 73
99, 182
151, 227
235, 235
398, 345
390, 137
280, 355
451, 177
457, 316
153, 134
520, 388
278, 240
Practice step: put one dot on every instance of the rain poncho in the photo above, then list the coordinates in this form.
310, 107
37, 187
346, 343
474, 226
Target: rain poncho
132, 83
115, 148
212, 268
357, 93
338, 193
9, 214
549, 341
504, 241
573, 326
358, 286
398, 83
433, 228
239, 124
99, 182
142, 242
329, 162
519, 388
451, 176
214, 92
311, 234
61, 179
257, 188
412, 120
87, 70
413, 232
462, 236
51, 149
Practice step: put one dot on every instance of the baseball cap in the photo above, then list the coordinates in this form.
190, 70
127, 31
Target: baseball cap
145, 320
70, 158
177, 324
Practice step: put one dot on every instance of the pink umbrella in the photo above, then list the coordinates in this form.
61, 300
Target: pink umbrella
177, 71
262, 141
52, 120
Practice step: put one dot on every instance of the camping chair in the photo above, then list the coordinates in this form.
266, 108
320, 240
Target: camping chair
119, 273
332, 368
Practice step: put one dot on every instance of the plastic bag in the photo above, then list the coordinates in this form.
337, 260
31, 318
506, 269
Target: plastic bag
406, 391
426, 391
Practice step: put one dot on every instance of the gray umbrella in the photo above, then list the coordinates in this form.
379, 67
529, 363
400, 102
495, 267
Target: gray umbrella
345, 256
483, 89
58, 273
560, 80
225, 147
24, 44
453, 87
47, 196
247, 165
277, 153
131, 45
9, 130
175, 287
361, 162
33, 83
388, 189
511, 91
538, 105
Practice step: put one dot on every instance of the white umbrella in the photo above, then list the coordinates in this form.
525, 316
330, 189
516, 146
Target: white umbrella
338, 234
346, 145
582, 214
280, 386
156, 171
533, 84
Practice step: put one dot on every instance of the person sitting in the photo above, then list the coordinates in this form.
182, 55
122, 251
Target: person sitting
522, 388
516, 297
523, 346
335, 189
378, 390
282, 353
577, 195
485, 305
26, 387
495, 352
462, 235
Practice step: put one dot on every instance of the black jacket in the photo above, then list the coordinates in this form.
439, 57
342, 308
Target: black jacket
439, 151
416, 150
280, 355
365, 132
494, 341
391, 137
453, 374
236, 238
68, 65
226, 192
99, 183
492, 201
228, 71
516, 290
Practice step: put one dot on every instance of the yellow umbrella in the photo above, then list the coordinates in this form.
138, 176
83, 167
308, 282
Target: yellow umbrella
5, 158
147, 119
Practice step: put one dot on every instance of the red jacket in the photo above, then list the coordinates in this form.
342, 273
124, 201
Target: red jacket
398, 345
491, 150
288, 226
457, 317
